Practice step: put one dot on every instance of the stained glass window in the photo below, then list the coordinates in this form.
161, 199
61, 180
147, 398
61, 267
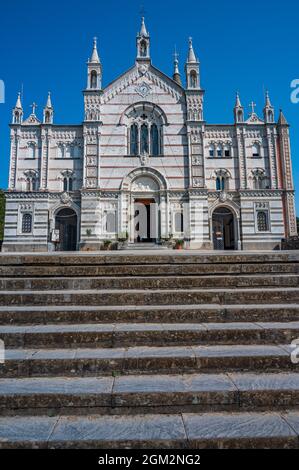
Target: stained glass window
144, 139
155, 140
134, 140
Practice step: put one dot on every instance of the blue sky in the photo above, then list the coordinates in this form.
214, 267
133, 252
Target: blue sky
245, 46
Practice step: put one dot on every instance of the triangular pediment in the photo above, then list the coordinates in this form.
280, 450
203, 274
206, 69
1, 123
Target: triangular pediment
142, 79
31, 121
254, 119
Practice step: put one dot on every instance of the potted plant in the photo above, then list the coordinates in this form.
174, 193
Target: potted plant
123, 239
167, 241
179, 244
107, 244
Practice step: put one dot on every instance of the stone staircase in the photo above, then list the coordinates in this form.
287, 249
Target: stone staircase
156, 350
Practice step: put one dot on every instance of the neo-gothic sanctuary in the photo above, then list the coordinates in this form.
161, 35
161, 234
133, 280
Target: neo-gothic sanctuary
144, 140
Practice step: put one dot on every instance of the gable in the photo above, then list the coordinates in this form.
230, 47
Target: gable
144, 81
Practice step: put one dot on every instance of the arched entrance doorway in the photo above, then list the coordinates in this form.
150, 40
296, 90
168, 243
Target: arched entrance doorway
66, 223
223, 229
145, 216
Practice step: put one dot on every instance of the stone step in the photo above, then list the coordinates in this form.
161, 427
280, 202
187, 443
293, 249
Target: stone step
133, 394
178, 269
151, 314
147, 334
142, 359
151, 297
149, 282
141, 258
174, 431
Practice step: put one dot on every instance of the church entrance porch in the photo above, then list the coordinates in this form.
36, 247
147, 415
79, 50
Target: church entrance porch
66, 227
145, 220
223, 224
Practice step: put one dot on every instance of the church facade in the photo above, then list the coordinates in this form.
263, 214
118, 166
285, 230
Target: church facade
144, 148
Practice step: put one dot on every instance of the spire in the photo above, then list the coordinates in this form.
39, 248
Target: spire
238, 110
143, 43
176, 72
18, 103
268, 110
238, 101
282, 120
268, 102
49, 102
95, 56
143, 30
17, 112
48, 111
191, 54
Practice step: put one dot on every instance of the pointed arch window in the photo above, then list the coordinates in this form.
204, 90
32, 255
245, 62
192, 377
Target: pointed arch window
31, 181
256, 150
67, 183
219, 151
143, 49
31, 150
212, 150
222, 182
144, 139
93, 79
134, 140
155, 147
240, 116
193, 79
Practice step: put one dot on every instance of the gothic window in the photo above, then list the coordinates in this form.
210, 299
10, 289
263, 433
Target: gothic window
262, 221
193, 79
227, 151
219, 151
145, 130
67, 183
47, 117
68, 151
259, 179
255, 150
31, 183
110, 222
31, 150
240, 116
270, 116
258, 182
60, 151
154, 141
93, 79
143, 49
179, 222
134, 140
144, 139
27, 223
221, 183
212, 151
